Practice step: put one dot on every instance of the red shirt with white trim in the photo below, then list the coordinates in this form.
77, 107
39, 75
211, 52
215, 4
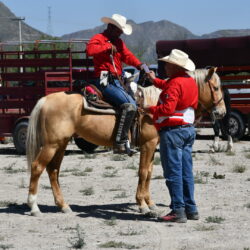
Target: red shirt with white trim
177, 101
99, 47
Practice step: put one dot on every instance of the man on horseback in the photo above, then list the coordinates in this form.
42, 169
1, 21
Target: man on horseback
109, 52
173, 118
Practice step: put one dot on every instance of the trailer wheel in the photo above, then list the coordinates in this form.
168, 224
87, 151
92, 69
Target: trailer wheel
19, 137
86, 146
237, 126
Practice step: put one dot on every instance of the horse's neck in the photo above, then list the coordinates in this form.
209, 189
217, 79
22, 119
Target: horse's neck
150, 95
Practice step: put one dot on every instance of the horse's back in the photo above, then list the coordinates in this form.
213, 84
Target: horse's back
64, 100
59, 114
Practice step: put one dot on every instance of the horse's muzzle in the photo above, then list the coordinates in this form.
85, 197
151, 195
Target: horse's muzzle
218, 113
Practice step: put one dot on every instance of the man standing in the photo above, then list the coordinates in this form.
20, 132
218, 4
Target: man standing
173, 117
109, 52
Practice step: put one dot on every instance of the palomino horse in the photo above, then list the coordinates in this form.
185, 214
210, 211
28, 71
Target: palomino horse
58, 116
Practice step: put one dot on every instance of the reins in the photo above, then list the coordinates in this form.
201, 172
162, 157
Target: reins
117, 75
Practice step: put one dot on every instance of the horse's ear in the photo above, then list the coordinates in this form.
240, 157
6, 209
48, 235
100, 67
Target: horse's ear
211, 71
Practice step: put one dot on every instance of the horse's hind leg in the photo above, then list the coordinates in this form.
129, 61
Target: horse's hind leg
53, 170
38, 165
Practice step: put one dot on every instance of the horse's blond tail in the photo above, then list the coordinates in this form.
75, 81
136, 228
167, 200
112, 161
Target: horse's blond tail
34, 139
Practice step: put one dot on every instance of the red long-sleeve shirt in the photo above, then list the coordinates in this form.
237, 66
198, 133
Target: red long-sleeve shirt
177, 100
99, 47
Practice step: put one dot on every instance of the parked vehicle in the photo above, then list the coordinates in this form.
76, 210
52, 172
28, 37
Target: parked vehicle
232, 57
38, 69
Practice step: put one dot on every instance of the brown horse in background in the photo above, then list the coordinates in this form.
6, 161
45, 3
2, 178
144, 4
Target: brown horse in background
57, 117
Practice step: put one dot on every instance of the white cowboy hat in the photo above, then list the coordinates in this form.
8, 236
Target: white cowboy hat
179, 58
120, 22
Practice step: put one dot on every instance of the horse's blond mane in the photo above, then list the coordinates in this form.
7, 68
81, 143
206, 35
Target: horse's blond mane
199, 76
151, 95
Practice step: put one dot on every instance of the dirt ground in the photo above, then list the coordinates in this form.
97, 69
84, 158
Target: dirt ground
101, 188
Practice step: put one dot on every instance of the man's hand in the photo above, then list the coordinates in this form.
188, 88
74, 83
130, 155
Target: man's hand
151, 76
144, 110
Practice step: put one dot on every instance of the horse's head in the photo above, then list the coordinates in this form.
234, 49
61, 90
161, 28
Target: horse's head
210, 92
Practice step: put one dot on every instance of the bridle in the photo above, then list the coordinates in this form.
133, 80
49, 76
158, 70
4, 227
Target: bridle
213, 90
215, 102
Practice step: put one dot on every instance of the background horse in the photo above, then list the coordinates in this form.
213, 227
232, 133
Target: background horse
57, 117
223, 126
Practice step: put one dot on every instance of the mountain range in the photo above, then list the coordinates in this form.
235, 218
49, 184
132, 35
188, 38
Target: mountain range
141, 42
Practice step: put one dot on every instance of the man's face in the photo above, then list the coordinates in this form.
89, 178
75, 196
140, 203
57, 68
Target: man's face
114, 31
168, 69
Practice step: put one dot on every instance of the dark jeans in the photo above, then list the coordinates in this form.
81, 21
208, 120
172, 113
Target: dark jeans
176, 157
114, 93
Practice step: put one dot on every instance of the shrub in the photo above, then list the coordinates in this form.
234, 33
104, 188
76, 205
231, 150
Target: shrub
214, 219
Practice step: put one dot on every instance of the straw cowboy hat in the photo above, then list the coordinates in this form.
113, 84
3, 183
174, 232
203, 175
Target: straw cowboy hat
120, 22
179, 58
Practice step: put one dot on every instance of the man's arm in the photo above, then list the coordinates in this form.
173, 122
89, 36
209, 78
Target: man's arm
159, 83
96, 46
167, 105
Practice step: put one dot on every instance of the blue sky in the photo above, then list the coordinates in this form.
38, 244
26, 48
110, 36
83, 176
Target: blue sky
198, 16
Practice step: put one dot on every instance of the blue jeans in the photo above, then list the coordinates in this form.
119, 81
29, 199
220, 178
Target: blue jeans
114, 93
176, 157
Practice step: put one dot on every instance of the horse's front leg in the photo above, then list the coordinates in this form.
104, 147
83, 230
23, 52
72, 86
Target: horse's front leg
145, 171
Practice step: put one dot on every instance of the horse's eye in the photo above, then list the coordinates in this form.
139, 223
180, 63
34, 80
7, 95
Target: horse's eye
216, 88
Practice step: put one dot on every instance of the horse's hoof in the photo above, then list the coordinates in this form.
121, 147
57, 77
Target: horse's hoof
36, 213
212, 150
144, 210
66, 210
153, 207
152, 214
155, 211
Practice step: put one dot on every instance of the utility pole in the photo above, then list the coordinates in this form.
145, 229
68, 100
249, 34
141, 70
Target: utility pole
19, 19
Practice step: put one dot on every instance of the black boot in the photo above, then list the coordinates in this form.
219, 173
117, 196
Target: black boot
122, 145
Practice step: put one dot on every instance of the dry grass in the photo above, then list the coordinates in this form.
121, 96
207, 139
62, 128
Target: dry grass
77, 242
239, 168
110, 174
202, 227
87, 191
117, 244
200, 179
214, 219
111, 222
213, 161
121, 195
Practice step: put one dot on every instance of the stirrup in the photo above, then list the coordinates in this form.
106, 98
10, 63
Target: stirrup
124, 148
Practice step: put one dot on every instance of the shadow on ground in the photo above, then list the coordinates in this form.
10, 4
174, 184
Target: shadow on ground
120, 211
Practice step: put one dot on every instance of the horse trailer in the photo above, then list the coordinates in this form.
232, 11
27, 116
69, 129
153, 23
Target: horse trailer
32, 71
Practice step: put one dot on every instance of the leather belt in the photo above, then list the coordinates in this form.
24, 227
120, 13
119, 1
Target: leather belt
176, 127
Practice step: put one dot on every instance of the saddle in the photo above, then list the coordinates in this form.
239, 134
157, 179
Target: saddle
93, 101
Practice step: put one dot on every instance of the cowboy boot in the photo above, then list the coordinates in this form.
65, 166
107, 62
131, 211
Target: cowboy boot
122, 145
